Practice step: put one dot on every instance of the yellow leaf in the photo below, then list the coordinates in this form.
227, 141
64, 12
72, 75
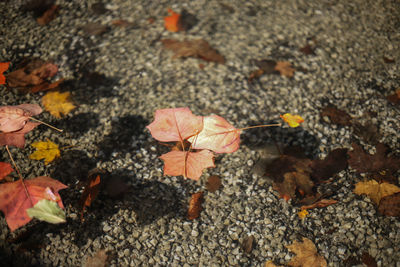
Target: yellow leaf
375, 190
56, 103
46, 150
302, 214
292, 120
306, 254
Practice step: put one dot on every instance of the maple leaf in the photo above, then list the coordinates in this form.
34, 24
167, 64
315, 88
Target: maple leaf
374, 190
14, 118
17, 138
171, 22
5, 169
48, 211
3, 67
46, 150
390, 205
195, 205
17, 197
217, 135
285, 68
175, 124
194, 48
188, 164
32, 72
293, 120
92, 188
306, 254
57, 103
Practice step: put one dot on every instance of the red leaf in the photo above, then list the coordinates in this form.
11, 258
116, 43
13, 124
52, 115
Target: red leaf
3, 67
5, 169
16, 197
14, 118
175, 124
17, 138
171, 22
217, 135
92, 188
188, 164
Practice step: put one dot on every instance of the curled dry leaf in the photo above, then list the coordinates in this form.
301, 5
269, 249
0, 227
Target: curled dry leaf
375, 190
5, 169
46, 150
390, 205
194, 48
3, 67
57, 103
195, 205
217, 135
306, 254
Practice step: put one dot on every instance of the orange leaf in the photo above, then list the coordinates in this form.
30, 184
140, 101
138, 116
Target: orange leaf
171, 22
195, 205
3, 67
285, 68
16, 197
92, 188
292, 120
320, 204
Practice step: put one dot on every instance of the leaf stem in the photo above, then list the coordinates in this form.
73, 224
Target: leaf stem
48, 125
260, 126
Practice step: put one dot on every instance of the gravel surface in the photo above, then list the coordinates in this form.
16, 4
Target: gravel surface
120, 77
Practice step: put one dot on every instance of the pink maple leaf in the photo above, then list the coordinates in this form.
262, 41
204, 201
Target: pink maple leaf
175, 124
188, 164
17, 197
14, 118
217, 135
17, 138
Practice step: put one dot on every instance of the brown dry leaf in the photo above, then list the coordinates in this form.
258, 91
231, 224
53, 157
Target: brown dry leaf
368, 132
97, 260
31, 72
194, 48
333, 163
285, 68
336, 115
390, 205
48, 15
247, 244
92, 188
93, 28
320, 204
388, 60
287, 188
375, 190
57, 103
306, 254
307, 50
213, 183
195, 205
394, 98
122, 23
368, 260
46, 86
379, 165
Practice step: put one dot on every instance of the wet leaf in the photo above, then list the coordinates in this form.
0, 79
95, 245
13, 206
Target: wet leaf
46, 150
195, 205
306, 254
57, 103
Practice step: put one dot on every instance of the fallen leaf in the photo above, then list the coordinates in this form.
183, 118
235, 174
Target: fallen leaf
175, 124
46, 150
14, 118
48, 15
31, 72
188, 164
186, 21
335, 162
368, 260
306, 254
293, 120
100, 259
57, 103
194, 48
5, 169
3, 67
368, 132
122, 23
247, 244
17, 197
388, 60
90, 192
171, 21
217, 135
307, 50
303, 213
336, 115
394, 98
320, 204
374, 190
17, 138
45, 86
379, 166
213, 183
285, 68
94, 28
195, 205
390, 205
48, 211
271, 264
